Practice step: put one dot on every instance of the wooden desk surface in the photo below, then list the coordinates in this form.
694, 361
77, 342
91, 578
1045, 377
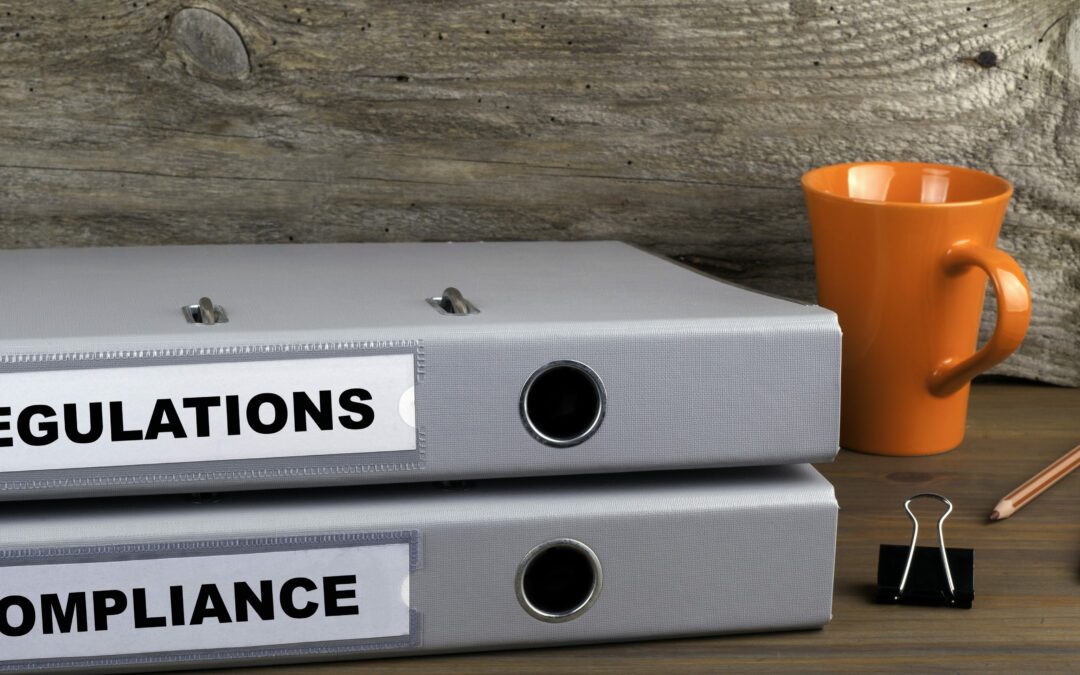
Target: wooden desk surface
1026, 614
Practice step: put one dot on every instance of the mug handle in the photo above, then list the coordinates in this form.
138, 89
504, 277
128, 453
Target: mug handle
1013, 314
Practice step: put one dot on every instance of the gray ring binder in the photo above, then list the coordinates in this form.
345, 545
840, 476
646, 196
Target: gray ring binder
457, 556
669, 359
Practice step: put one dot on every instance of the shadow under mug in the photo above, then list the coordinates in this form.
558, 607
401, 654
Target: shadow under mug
902, 251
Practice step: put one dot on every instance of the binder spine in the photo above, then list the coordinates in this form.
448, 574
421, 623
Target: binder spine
731, 394
634, 557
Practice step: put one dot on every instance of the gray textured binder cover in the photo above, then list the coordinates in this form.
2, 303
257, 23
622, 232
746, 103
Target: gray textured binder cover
676, 554
106, 387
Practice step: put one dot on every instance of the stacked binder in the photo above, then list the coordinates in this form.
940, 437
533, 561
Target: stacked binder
518, 444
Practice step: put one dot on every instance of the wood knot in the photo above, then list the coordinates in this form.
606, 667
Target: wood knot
211, 43
986, 59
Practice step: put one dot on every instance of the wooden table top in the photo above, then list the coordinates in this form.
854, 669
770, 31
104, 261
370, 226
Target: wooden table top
1026, 614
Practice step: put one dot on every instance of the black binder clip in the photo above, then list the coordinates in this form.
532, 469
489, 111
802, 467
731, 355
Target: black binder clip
921, 575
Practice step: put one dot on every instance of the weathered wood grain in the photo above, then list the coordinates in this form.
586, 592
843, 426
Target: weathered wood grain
680, 125
1026, 614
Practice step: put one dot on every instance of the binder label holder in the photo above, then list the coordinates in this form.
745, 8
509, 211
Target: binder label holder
210, 405
210, 600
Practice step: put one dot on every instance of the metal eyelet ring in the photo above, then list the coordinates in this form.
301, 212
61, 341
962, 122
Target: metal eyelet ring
552, 558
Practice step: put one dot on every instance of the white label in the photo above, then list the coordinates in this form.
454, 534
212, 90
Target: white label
204, 603
204, 412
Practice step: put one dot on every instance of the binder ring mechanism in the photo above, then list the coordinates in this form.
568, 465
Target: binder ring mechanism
205, 313
452, 303
922, 580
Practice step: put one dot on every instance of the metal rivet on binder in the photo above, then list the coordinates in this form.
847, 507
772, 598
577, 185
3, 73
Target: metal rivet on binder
452, 303
205, 313
922, 575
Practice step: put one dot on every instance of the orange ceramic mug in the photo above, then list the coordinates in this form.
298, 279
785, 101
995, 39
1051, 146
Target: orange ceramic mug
902, 251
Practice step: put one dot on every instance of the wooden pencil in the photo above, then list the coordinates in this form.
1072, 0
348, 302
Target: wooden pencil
1036, 485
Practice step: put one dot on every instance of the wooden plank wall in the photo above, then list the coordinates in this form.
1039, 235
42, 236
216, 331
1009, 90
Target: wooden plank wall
680, 125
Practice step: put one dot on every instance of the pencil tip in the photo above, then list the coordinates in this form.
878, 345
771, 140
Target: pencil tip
994, 515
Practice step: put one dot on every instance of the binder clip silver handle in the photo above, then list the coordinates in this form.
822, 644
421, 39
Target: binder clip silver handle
915, 536
933, 576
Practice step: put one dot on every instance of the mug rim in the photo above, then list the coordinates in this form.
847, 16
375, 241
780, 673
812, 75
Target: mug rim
1005, 192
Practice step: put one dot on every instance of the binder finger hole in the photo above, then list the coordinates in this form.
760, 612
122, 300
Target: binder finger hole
559, 580
562, 403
